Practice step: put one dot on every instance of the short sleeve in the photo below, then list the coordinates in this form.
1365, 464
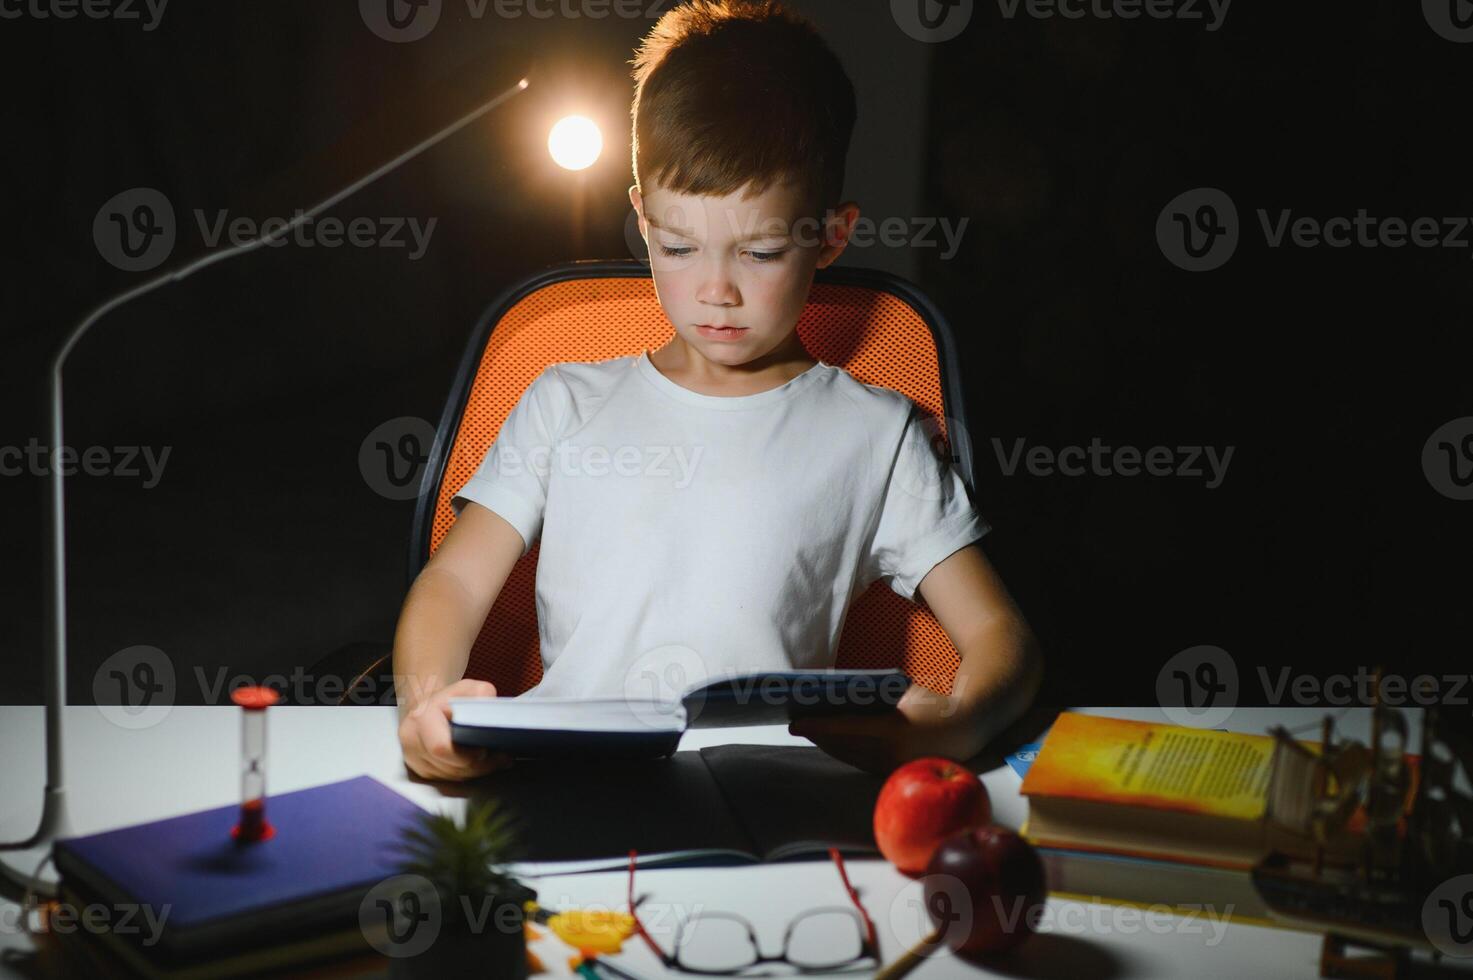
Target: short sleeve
512, 477
926, 514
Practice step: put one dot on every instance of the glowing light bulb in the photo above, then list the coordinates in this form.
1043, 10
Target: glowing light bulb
575, 142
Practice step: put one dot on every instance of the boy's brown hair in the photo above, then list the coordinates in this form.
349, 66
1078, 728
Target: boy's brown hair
735, 92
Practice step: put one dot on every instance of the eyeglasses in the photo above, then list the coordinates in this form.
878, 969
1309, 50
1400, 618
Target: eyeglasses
721, 943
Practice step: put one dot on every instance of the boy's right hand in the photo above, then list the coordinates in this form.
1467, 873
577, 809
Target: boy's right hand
424, 736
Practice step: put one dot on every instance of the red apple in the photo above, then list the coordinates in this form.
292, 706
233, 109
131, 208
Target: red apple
922, 803
985, 888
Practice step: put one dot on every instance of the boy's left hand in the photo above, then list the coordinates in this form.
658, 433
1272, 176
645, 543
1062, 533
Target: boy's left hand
923, 723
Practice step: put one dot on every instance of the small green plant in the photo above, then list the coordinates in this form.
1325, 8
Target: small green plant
462, 858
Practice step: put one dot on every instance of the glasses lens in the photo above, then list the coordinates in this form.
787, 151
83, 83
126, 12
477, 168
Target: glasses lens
715, 941
825, 938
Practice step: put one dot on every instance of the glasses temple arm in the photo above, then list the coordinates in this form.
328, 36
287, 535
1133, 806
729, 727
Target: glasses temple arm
853, 896
639, 926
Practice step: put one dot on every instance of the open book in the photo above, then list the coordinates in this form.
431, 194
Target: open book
719, 805
643, 728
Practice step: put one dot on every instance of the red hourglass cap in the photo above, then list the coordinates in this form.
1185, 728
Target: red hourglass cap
254, 698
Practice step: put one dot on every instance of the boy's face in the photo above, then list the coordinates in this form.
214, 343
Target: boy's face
729, 261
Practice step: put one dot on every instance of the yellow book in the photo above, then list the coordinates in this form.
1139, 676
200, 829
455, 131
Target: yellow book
1152, 790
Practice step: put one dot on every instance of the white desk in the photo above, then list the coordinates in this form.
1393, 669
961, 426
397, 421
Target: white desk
189, 761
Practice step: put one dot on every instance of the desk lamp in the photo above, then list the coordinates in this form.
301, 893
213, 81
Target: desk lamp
54, 821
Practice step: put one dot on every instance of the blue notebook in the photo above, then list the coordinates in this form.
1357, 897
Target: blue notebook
332, 844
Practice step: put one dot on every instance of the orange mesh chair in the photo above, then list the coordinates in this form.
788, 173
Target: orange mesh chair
878, 327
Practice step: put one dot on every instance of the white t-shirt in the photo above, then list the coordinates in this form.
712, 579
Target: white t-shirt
687, 537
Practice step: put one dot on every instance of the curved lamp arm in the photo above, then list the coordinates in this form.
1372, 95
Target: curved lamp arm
54, 821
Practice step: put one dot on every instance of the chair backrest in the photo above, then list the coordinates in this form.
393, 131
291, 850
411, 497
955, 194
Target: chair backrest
878, 327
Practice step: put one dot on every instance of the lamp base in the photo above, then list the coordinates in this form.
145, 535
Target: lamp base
20, 863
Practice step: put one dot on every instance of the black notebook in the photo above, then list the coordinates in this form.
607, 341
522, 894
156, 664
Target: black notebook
723, 804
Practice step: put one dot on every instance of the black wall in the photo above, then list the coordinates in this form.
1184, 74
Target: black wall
1060, 142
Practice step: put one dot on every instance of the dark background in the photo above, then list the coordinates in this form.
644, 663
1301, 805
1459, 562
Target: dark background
1060, 141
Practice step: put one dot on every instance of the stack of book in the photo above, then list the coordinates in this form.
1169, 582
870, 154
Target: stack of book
180, 899
1154, 814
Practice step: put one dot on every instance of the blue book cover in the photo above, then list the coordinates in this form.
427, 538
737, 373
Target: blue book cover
332, 844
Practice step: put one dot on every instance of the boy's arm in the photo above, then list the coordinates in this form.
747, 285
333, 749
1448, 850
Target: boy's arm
999, 674
1001, 665
441, 618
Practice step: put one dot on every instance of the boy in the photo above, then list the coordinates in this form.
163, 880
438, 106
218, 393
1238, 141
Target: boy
760, 491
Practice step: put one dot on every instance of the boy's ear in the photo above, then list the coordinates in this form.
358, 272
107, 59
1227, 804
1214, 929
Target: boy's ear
837, 229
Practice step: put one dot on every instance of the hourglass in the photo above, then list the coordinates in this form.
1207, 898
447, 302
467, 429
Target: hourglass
253, 825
